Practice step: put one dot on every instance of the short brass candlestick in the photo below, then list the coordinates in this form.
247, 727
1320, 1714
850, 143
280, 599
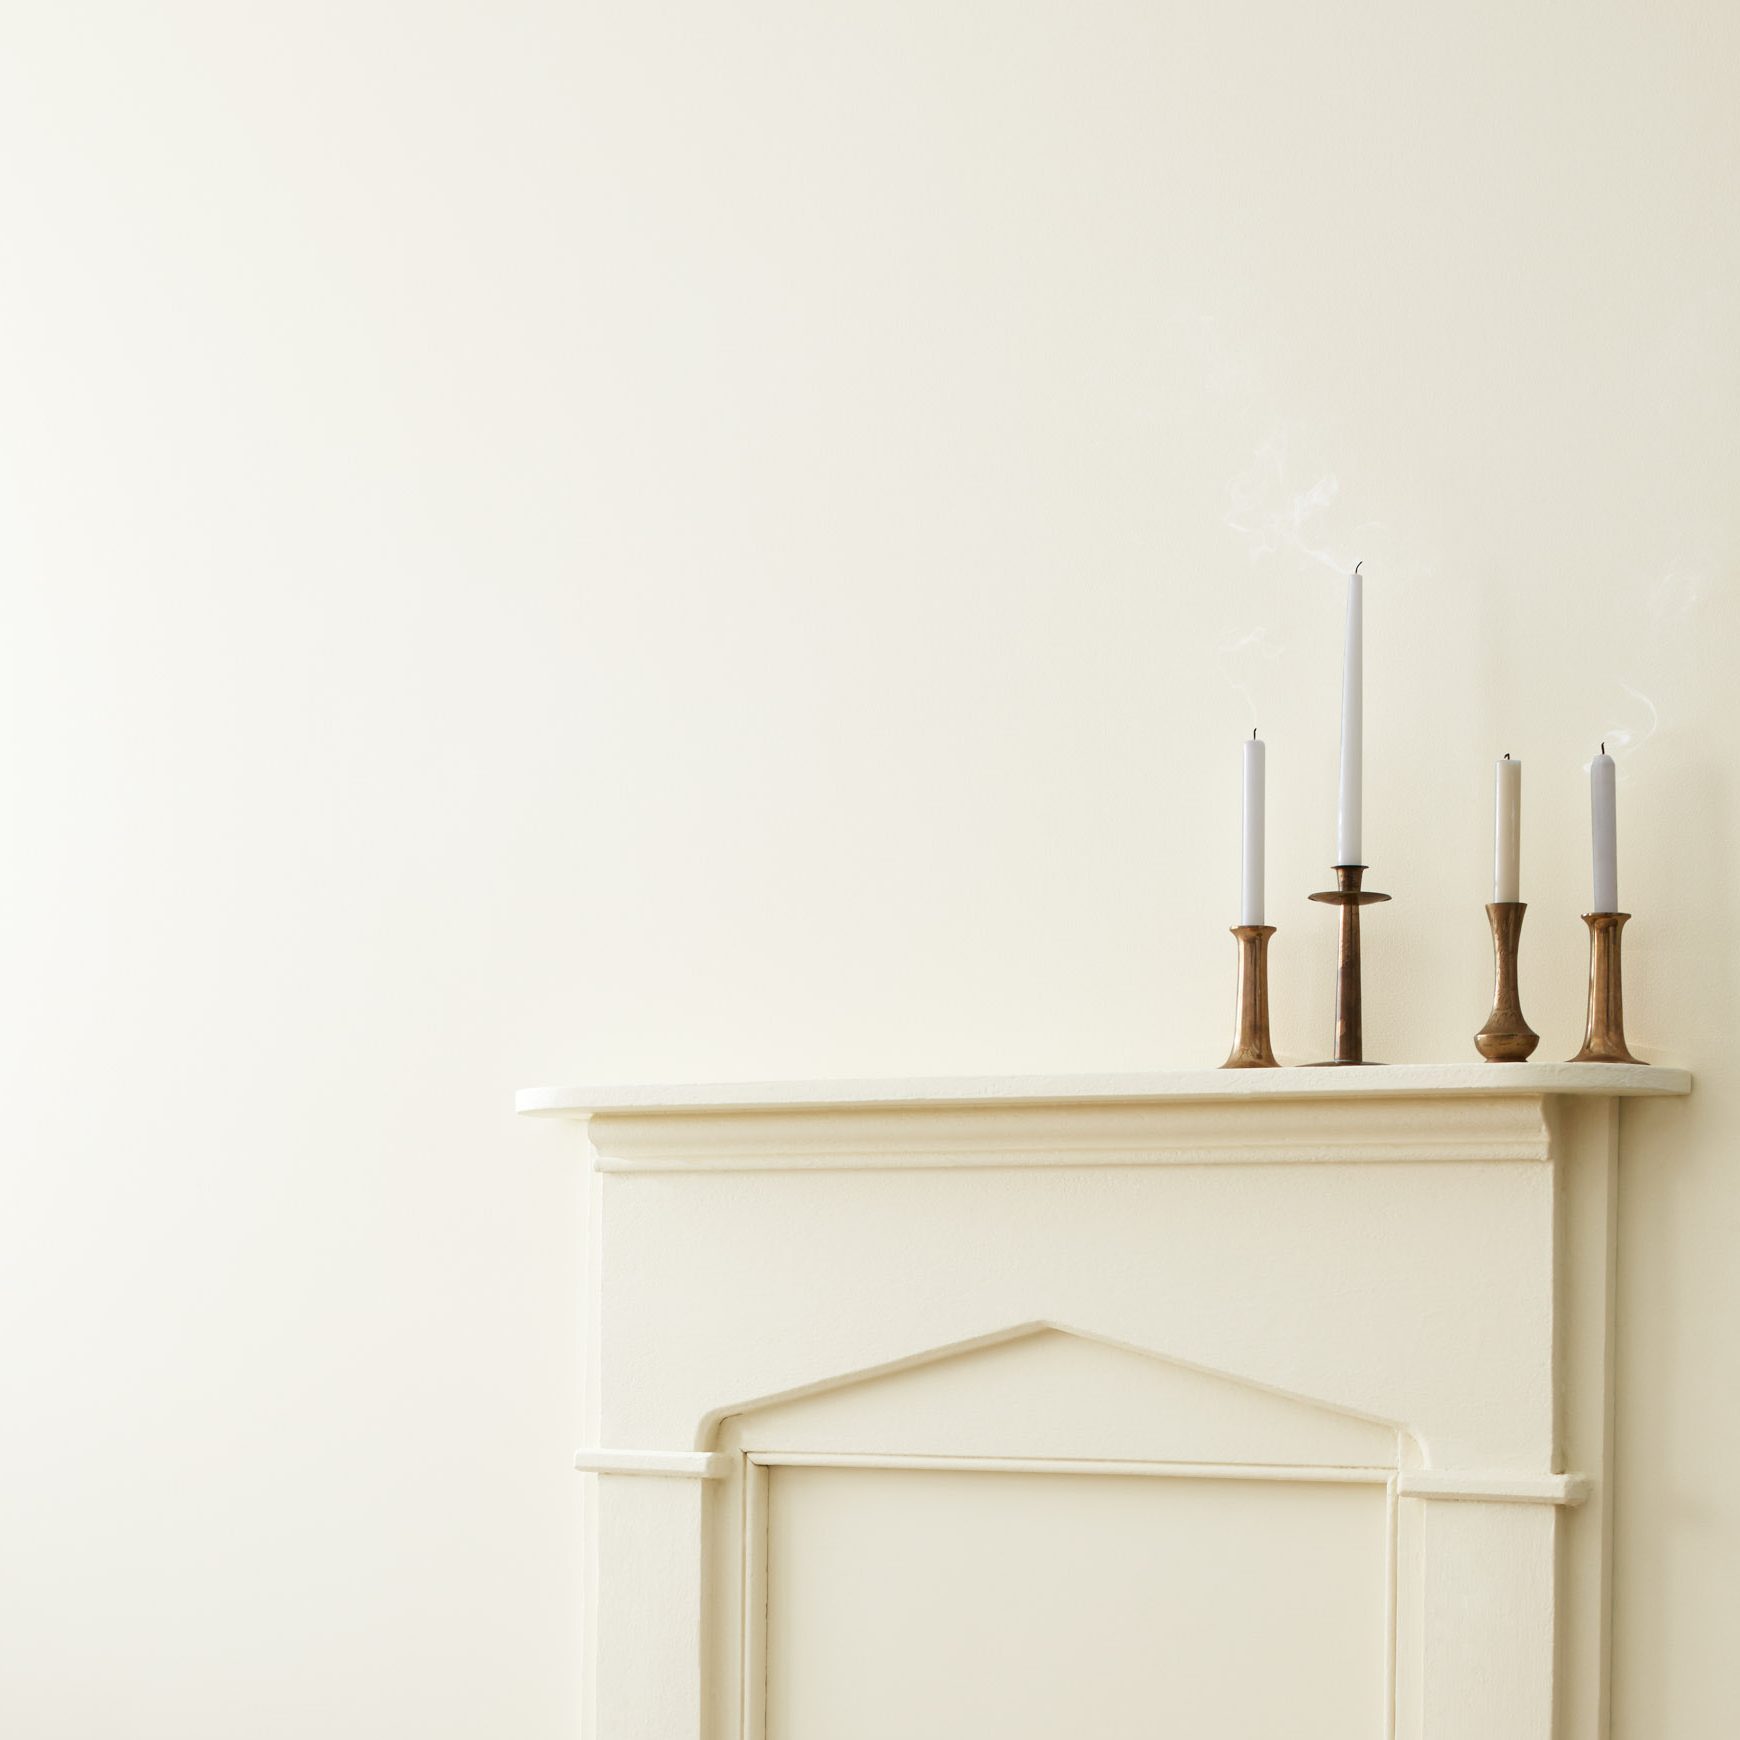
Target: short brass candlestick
1604, 1040
1506, 1037
1349, 1011
1251, 1048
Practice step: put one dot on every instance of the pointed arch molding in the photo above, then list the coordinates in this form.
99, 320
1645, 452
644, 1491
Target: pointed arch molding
1396, 1280
1020, 1399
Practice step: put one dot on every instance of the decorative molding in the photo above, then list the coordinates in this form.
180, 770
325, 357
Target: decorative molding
1155, 1133
1045, 1393
1449, 1485
1287, 1473
1566, 1489
665, 1464
1487, 1488
1399, 1114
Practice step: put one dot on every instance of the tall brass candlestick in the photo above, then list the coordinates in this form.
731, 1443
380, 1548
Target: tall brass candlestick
1506, 1037
1251, 1048
1604, 1037
1349, 999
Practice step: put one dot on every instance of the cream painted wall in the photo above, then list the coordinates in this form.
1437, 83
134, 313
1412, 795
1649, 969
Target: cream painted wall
688, 542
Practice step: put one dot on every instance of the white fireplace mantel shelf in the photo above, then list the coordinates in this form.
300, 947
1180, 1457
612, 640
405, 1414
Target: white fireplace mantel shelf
1312, 1368
1430, 1080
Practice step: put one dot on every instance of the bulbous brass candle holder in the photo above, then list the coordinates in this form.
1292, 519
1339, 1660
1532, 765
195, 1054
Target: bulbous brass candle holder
1349, 999
1506, 1037
1604, 1038
1251, 1048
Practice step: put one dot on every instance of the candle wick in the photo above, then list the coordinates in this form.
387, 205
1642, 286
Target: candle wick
1507, 755
1603, 745
1253, 733
1356, 568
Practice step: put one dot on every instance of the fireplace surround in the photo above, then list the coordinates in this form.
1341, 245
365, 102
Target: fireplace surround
1197, 1402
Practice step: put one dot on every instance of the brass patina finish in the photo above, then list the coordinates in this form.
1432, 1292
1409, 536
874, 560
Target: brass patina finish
1251, 1048
1506, 1037
1349, 1013
1604, 1042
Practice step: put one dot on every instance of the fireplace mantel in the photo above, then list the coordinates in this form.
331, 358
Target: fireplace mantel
1463, 1081
1312, 1368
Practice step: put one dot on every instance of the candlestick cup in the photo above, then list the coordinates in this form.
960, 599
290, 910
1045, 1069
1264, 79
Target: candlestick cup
1506, 1037
1604, 1036
1251, 1048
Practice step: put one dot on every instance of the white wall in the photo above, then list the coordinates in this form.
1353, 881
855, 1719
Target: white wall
541, 543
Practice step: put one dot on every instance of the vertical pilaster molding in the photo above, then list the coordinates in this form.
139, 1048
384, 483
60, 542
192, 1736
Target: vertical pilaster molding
591, 1416
1586, 1160
648, 1673
1486, 1628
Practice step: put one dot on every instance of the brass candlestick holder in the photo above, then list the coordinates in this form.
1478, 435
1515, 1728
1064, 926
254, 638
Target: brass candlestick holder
1349, 1001
1506, 1037
1251, 1048
1604, 1039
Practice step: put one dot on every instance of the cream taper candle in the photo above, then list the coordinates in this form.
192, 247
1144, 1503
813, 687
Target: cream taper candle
1348, 807
1251, 898
1507, 833
1604, 832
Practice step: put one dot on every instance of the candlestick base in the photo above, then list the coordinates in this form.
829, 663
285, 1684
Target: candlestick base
1349, 998
1604, 1037
1251, 1049
1506, 1037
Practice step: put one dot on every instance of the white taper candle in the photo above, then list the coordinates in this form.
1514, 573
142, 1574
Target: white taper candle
1604, 832
1507, 833
1347, 813
1251, 900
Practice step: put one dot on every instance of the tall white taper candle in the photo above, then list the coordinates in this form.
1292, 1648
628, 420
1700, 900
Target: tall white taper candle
1347, 812
1604, 831
1251, 900
1507, 833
